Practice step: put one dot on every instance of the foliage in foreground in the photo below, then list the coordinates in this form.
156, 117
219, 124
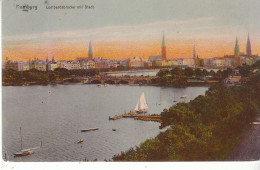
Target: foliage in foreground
207, 128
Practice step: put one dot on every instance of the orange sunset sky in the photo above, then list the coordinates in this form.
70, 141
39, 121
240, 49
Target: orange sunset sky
67, 50
126, 29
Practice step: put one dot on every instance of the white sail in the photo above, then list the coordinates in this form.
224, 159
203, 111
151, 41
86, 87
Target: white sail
141, 105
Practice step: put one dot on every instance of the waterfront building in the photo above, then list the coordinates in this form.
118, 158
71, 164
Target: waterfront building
26, 66
206, 62
51, 65
236, 49
148, 64
218, 62
189, 62
232, 61
163, 49
83, 64
177, 62
154, 57
135, 62
90, 52
102, 63
15, 65
73, 65
249, 59
62, 64
167, 63
38, 65
114, 63
91, 64
248, 47
124, 63
157, 63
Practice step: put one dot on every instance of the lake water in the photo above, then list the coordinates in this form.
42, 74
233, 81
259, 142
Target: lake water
144, 72
54, 116
135, 73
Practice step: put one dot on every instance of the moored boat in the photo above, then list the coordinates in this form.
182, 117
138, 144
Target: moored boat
81, 140
88, 130
141, 106
23, 153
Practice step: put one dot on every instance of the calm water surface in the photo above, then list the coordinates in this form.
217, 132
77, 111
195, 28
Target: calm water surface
55, 115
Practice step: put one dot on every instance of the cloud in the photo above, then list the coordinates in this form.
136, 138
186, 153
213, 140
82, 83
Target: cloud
108, 32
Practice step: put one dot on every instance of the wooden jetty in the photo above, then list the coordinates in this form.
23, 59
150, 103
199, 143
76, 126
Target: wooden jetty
116, 117
88, 130
145, 117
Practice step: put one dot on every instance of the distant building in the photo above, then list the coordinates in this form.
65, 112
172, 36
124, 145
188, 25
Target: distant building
218, 62
62, 64
51, 65
249, 59
157, 63
189, 62
154, 57
38, 65
232, 61
102, 63
124, 63
135, 62
177, 62
73, 65
91, 64
26, 66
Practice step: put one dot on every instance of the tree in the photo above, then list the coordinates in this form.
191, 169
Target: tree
177, 71
163, 72
198, 72
189, 72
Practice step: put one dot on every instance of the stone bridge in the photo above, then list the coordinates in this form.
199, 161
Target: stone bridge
118, 79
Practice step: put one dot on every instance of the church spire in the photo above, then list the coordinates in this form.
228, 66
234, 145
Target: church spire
163, 42
248, 47
236, 50
194, 52
163, 48
90, 53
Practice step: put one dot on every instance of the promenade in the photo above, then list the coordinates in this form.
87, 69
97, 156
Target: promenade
248, 149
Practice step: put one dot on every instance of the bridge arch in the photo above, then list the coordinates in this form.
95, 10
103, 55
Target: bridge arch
123, 82
96, 82
109, 82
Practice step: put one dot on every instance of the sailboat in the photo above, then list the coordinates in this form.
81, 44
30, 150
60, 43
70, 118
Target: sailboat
24, 152
175, 100
141, 106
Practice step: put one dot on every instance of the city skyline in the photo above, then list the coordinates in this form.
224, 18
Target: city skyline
211, 26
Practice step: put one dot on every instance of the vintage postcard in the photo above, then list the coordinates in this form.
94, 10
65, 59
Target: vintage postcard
130, 80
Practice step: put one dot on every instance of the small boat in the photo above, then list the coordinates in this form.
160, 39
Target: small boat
80, 141
114, 129
183, 97
175, 100
24, 152
102, 85
88, 130
133, 84
141, 106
